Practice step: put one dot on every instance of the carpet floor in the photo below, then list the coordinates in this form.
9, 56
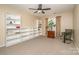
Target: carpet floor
40, 46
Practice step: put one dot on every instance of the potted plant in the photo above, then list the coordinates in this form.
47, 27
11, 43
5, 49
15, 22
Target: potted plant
51, 32
51, 25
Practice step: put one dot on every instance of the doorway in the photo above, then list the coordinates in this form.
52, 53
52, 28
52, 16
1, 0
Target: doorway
58, 26
50, 27
57, 29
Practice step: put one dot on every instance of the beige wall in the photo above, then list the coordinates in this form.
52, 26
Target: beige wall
66, 21
27, 19
76, 26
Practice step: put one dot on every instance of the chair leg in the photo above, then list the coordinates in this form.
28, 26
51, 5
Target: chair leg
64, 39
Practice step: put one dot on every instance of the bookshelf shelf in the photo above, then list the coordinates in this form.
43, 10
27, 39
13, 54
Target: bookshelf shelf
16, 35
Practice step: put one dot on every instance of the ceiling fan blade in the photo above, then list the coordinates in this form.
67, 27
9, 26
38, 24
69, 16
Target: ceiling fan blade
32, 9
46, 9
39, 6
43, 12
35, 11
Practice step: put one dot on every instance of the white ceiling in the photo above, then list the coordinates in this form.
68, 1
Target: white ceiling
55, 8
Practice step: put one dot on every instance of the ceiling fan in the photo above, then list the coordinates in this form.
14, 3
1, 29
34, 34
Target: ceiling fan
40, 9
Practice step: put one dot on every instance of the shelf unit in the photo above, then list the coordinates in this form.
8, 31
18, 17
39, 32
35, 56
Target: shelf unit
13, 24
27, 34
24, 35
16, 35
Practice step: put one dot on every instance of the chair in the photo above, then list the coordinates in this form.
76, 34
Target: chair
68, 35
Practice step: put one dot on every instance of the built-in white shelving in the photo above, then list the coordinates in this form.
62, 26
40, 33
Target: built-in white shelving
16, 35
23, 35
13, 24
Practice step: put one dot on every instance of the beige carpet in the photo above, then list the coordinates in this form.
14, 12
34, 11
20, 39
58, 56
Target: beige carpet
40, 46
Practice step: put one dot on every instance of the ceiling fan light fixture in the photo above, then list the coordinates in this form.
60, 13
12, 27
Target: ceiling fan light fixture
39, 11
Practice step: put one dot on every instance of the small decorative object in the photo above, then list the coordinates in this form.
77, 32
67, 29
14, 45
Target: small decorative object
18, 26
11, 22
39, 26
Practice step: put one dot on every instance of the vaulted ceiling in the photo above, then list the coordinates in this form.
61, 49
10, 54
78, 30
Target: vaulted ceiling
55, 8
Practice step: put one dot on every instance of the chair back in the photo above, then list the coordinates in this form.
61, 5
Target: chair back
68, 33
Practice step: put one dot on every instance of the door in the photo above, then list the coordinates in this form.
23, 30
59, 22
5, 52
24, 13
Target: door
58, 26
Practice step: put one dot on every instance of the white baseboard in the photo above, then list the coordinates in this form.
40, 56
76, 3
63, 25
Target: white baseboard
76, 45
